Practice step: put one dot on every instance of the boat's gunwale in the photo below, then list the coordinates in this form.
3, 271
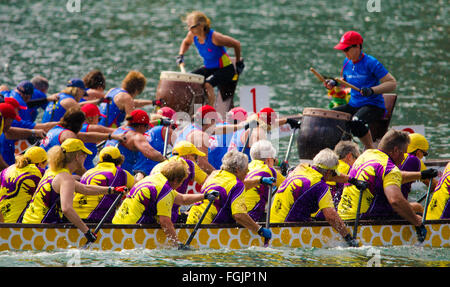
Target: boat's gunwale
216, 226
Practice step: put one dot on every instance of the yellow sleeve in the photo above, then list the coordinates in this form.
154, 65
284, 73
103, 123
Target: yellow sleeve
164, 206
199, 175
130, 180
393, 178
326, 201
422, 166
280, 178
238, 205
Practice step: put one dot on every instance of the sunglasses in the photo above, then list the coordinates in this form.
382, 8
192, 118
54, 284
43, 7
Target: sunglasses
349, 47
194, 26
424, 153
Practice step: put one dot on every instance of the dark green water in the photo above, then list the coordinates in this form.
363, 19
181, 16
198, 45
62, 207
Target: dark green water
280, 41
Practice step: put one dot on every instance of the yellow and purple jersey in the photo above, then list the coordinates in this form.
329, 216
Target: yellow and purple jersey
94, 207
256, 197
17, 187
45, 206
302, 194
336, 188
149, 198
439, 204
375, 167
230, 201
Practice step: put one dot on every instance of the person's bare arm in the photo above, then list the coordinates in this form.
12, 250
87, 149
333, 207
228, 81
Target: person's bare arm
387, 85
169, 229
245, 220
335, 220
141, 144
187, 199
401, 205
223, 40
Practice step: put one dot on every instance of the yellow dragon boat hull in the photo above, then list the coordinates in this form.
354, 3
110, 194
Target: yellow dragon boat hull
296, 235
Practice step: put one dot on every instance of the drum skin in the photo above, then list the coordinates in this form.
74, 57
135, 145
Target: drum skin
180, 91
320, 129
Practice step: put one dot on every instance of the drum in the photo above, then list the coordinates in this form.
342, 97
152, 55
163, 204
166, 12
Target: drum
321, 129
181, 91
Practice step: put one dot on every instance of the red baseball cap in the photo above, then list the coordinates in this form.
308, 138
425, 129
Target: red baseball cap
348, 39
9, 112
268, 115
208, 112
238, 114
139, 117
13, 102
167, 112
91, 110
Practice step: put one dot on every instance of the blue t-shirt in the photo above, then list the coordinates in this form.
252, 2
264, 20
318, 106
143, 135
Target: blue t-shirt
367, 72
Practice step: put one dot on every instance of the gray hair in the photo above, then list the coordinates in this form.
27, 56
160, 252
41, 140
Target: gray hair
234, 161
326, 159
343, 148
262, 149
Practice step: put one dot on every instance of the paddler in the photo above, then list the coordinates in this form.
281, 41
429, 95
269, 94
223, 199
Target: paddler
120, 102
439, 207
152, 198
305, 193
54, 195
19, 182
261, 175
92, 208
218, 68
229, 206
383, 198
371, 77
186, 152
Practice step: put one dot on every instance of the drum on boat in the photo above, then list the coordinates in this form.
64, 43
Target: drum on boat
181, 91
321, 129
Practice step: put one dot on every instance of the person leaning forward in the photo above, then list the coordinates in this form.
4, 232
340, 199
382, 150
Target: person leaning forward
383, 198
229, 206
305, 193
367, 73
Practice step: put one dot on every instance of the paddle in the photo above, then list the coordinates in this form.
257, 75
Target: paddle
317, 74
252, 125
186, 245
183, 70
291, 140
358, 213
427, 201
269, 203
322, 79
166, 138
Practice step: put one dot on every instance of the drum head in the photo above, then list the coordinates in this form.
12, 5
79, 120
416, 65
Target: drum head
182, 77
323, 113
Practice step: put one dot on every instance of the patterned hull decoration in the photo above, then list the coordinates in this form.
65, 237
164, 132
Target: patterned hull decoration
304, 235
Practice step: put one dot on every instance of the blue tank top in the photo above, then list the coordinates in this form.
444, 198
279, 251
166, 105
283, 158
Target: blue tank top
130, 156
213, 56
53, 137
155, 139
89, 162
186, 131
54, 111
114, 116
237, 143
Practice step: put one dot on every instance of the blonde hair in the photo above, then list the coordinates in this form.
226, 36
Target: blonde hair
175, 171
198, 17
58, 158
22, 161
73, 91
134, 83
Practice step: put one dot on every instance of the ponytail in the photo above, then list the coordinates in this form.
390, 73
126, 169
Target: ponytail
22, 161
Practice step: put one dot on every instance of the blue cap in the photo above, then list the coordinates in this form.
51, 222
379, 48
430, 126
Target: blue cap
78, 83
25, 87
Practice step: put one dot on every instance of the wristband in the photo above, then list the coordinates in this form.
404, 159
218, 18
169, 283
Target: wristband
109, 136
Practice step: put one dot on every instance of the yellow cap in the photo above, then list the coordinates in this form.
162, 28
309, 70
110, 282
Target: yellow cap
417, 141
109, 150
72, 145
185, 148
36, 154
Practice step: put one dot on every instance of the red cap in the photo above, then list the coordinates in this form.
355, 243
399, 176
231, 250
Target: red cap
13, 102
208, 112
268, 115
139, 117
167, 112
9, 112
238, 114
91, 110
348, 39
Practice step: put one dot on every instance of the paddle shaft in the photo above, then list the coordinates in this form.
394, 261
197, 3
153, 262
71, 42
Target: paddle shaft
198, 224
183, 70
317, 74
427, 201
269, 201
166, 140
347, 84
247, 141
291, 140
358, 213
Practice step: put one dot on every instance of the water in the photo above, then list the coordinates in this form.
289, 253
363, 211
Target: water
280, 41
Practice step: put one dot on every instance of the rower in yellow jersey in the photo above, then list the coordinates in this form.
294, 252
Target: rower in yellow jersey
92, 208
152, 198
19, 182
439, 207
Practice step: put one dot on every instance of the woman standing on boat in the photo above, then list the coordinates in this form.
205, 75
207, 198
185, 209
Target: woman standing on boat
368, 74
54, 195
152, 198
218, 68
19, 182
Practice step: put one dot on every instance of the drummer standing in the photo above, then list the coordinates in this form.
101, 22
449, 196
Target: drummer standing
218, 68
368, 74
